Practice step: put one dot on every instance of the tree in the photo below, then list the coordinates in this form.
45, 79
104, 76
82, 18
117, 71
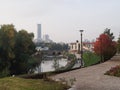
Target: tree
107, 32
16, 49
24, 48
54, 46
7, 42
118, 45
105, 47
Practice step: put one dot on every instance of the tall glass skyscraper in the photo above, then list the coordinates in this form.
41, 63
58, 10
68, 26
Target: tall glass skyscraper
39, 31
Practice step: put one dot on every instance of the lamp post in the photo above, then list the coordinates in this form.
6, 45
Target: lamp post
82, 64
101, 49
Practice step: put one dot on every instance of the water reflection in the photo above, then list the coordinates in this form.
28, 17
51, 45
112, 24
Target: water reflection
47, 65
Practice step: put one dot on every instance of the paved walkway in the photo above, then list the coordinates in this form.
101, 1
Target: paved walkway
93, 78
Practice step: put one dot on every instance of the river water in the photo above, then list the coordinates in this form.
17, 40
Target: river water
47, 65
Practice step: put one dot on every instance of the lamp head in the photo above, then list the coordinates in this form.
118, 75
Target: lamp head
81, 31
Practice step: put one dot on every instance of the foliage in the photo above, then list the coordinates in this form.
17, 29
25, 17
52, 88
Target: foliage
16, 49
71, 56
7, 42
13, 83
54, 46
36, 75
118, 45
105, 47
107, 32
69, 82
72, 60
4, 72
90, 59
24, 48
114, 71
57, 46
56, 64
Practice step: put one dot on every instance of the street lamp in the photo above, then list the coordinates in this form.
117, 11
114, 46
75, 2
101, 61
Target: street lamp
82, 64
101, 50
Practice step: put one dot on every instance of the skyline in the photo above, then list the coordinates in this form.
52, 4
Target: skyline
62, 19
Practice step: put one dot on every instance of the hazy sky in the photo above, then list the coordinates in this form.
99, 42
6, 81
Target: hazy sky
62, 19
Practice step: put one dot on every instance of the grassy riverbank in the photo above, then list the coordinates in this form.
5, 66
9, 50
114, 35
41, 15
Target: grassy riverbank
14, 83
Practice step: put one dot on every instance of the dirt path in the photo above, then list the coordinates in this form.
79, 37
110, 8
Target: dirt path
93, 78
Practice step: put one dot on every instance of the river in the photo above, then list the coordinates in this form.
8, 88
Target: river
47, 65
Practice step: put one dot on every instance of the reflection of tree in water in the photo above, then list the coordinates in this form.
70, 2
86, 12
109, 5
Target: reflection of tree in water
56, 60
39, 57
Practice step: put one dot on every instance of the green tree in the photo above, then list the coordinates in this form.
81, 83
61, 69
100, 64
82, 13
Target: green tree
7, 42
54, 46
24, 48
16, 50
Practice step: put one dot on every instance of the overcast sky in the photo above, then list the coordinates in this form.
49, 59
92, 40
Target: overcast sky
62, 19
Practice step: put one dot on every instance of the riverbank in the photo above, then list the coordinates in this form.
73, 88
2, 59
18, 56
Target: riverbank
93, 78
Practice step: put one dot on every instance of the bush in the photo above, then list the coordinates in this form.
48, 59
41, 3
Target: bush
90, 58
34, 76
5, 72
114, 71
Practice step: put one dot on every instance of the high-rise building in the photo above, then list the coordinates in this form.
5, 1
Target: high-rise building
39, 36
39, 31
46, 37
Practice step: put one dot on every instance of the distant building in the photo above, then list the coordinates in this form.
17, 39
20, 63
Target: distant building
39, 39
88, 46
75, 47
46, 39
39, 31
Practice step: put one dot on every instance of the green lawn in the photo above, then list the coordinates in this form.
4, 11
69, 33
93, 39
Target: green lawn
14, 83
90, 58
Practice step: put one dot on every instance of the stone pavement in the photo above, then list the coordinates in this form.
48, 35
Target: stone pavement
93, 78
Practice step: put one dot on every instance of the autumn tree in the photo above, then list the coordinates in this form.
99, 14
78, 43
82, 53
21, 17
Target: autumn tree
105, 47
118, 45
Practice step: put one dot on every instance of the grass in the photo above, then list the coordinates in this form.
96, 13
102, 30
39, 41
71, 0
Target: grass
90, 59
14, 83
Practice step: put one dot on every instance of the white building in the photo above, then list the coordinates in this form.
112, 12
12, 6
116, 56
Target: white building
75, 47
